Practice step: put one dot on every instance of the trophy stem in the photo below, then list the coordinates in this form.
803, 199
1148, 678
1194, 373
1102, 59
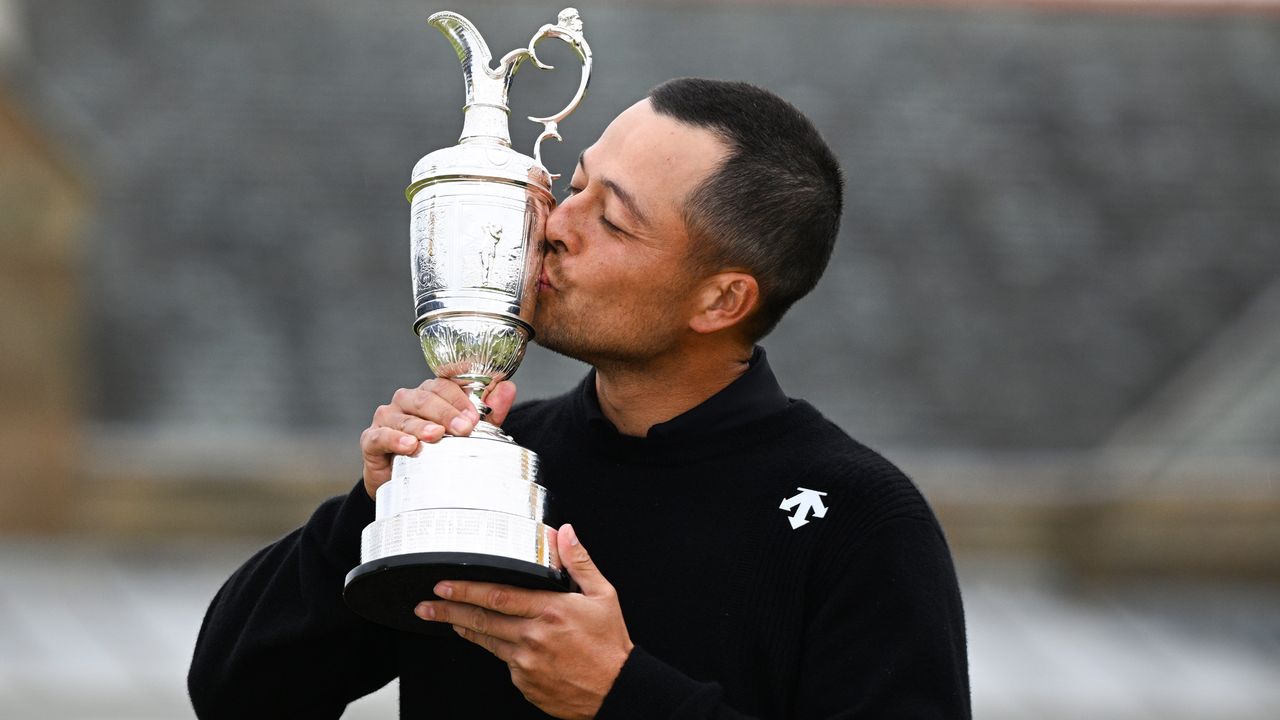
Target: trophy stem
483, 429
475, 393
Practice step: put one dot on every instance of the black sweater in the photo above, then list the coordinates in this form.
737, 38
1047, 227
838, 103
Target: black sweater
734, 612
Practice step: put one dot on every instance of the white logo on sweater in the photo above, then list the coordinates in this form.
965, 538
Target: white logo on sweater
805, 502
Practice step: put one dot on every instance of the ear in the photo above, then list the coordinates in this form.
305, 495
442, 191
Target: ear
724, 300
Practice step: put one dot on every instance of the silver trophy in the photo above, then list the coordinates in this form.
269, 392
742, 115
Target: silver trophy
471, 508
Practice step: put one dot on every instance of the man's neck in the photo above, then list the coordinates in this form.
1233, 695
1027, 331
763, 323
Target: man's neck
636, 397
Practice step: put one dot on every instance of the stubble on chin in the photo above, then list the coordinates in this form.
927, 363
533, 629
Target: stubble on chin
597, 346
552, 332
562, 337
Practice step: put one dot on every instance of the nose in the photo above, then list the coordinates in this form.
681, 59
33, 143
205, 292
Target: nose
562, 228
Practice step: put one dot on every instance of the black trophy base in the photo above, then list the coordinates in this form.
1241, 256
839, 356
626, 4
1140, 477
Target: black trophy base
388, 589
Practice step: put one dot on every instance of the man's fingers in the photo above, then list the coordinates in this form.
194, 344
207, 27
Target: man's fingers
492, 631
471, 617
422, 414
500, 649
442, 403
432, 406
424, 430
377, 444
501, 398
451, 392
388, 416
408, 420
503, 599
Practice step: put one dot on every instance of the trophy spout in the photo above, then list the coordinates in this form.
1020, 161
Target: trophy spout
486, 111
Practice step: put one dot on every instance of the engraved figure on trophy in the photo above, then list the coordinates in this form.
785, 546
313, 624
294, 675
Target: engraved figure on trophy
471, 508
490, 256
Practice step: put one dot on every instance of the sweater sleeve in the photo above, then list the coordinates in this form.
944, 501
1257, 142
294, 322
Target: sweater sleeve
279, 641
885, 638
648, 688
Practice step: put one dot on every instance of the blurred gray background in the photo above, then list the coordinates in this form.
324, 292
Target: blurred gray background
1055, 302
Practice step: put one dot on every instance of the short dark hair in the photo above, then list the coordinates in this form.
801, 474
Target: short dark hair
773, 206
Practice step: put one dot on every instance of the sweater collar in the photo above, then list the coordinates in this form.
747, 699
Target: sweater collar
751, 396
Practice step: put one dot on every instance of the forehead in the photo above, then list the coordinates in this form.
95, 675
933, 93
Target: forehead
658, 159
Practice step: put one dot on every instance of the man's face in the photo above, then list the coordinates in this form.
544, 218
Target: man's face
617, 280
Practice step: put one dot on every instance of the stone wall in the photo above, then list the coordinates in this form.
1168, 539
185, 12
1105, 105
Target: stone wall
42, 360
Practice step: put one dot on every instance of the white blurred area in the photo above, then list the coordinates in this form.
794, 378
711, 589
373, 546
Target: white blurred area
105, 633
1056, 303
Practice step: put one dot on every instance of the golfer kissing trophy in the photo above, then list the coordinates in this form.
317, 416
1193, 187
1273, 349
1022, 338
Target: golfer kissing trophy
471, 508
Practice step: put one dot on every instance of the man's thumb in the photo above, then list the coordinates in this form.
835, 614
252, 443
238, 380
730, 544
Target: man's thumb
500, 398
576, 560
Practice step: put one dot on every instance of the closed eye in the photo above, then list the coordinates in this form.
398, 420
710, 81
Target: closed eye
604, 221
611, 227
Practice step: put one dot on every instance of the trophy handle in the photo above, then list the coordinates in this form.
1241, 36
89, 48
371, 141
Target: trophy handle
568, 28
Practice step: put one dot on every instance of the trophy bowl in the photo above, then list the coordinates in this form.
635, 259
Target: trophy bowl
474, 348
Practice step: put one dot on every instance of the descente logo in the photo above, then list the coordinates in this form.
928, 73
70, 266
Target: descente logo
805, 502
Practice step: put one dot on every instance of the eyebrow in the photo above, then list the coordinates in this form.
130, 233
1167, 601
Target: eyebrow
627, 199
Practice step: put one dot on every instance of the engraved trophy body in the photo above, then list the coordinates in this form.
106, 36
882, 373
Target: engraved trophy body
470, 508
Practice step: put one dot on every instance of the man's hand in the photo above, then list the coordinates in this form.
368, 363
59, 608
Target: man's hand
423, 414
564, 649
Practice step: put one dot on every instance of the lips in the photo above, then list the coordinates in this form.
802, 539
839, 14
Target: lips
544, 280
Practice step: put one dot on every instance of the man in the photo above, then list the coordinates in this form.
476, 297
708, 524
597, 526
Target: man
748, 559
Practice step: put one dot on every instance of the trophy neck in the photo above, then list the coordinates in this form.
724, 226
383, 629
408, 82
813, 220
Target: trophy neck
485, 123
